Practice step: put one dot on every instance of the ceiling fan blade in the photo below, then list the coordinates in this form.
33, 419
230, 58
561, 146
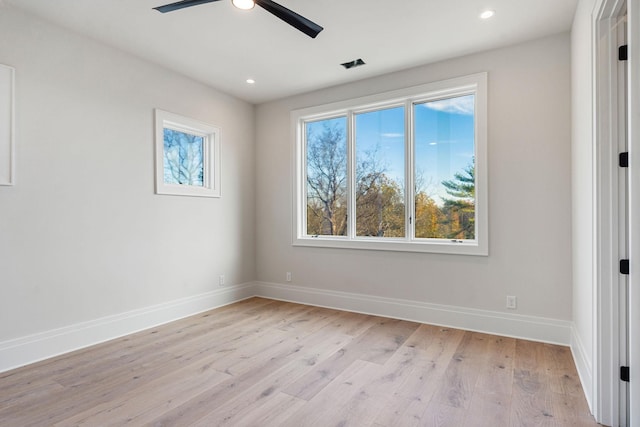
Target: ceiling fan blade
181, 5
300, 22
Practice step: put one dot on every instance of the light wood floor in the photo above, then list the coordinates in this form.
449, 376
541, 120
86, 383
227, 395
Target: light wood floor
267, 363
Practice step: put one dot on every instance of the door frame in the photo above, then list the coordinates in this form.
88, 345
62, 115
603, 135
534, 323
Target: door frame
607, 355
633, 94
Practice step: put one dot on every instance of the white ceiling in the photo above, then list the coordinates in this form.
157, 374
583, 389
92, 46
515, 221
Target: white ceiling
222, 46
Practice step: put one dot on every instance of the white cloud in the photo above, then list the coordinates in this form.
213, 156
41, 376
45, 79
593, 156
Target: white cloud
459, 105
393, 135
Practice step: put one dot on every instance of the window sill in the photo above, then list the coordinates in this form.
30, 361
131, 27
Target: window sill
457, 247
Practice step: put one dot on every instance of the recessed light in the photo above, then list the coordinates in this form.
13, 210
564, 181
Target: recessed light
250, 81
487, 14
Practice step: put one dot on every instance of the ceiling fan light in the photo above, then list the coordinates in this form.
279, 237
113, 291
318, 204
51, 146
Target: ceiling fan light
243, 4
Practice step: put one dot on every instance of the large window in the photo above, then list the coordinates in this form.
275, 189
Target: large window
397, 171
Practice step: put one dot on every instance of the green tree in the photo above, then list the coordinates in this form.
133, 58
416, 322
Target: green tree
460, 208
379, 206
430, 221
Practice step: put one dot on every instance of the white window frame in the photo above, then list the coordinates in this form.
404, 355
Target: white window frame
210, 158
472, 84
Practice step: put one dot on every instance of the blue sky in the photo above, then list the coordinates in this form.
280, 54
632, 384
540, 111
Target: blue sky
444, 140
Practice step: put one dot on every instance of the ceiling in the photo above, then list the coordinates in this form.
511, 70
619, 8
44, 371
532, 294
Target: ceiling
222, 46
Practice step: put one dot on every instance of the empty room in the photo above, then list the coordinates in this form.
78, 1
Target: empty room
319, 213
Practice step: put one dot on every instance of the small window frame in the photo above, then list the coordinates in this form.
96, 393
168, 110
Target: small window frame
210, 158
472, 84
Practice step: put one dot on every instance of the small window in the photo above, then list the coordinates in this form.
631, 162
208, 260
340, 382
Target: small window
398, 171
187, 156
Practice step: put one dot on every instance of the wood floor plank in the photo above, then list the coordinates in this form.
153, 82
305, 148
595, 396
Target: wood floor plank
353, 324
302, 355
488, 409
322, 374
443, 415
380, 341
260, 370
405, 370
311, 320
292, 334
463, 371
54, 407
32, 391
496, 375
491, 400
269, 363
423, 337
161, 394
274, 412
202, 404
532, 398
564, 376
344, 396
376, 344
231, 334
407, 404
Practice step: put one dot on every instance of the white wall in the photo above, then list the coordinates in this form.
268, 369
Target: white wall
82, 234
529, 194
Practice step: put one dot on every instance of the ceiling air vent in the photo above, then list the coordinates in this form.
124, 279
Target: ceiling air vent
355, 63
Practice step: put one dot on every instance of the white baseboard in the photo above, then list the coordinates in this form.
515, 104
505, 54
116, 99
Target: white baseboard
505, 324
583, 365
33, 348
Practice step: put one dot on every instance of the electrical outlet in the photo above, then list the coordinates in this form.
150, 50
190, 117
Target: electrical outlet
288, 276
512, 302
221, 280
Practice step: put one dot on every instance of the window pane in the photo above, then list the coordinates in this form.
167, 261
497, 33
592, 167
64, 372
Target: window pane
445, 168
380, 209
183, 158
327, 177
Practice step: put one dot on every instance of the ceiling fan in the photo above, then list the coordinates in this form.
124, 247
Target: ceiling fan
300, 22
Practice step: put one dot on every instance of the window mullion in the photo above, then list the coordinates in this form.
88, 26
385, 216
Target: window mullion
351, 175
409, 173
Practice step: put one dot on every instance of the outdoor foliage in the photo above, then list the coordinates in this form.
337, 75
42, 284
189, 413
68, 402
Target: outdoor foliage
380, 200
183, 158
379, 206
461, 207
327, 182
